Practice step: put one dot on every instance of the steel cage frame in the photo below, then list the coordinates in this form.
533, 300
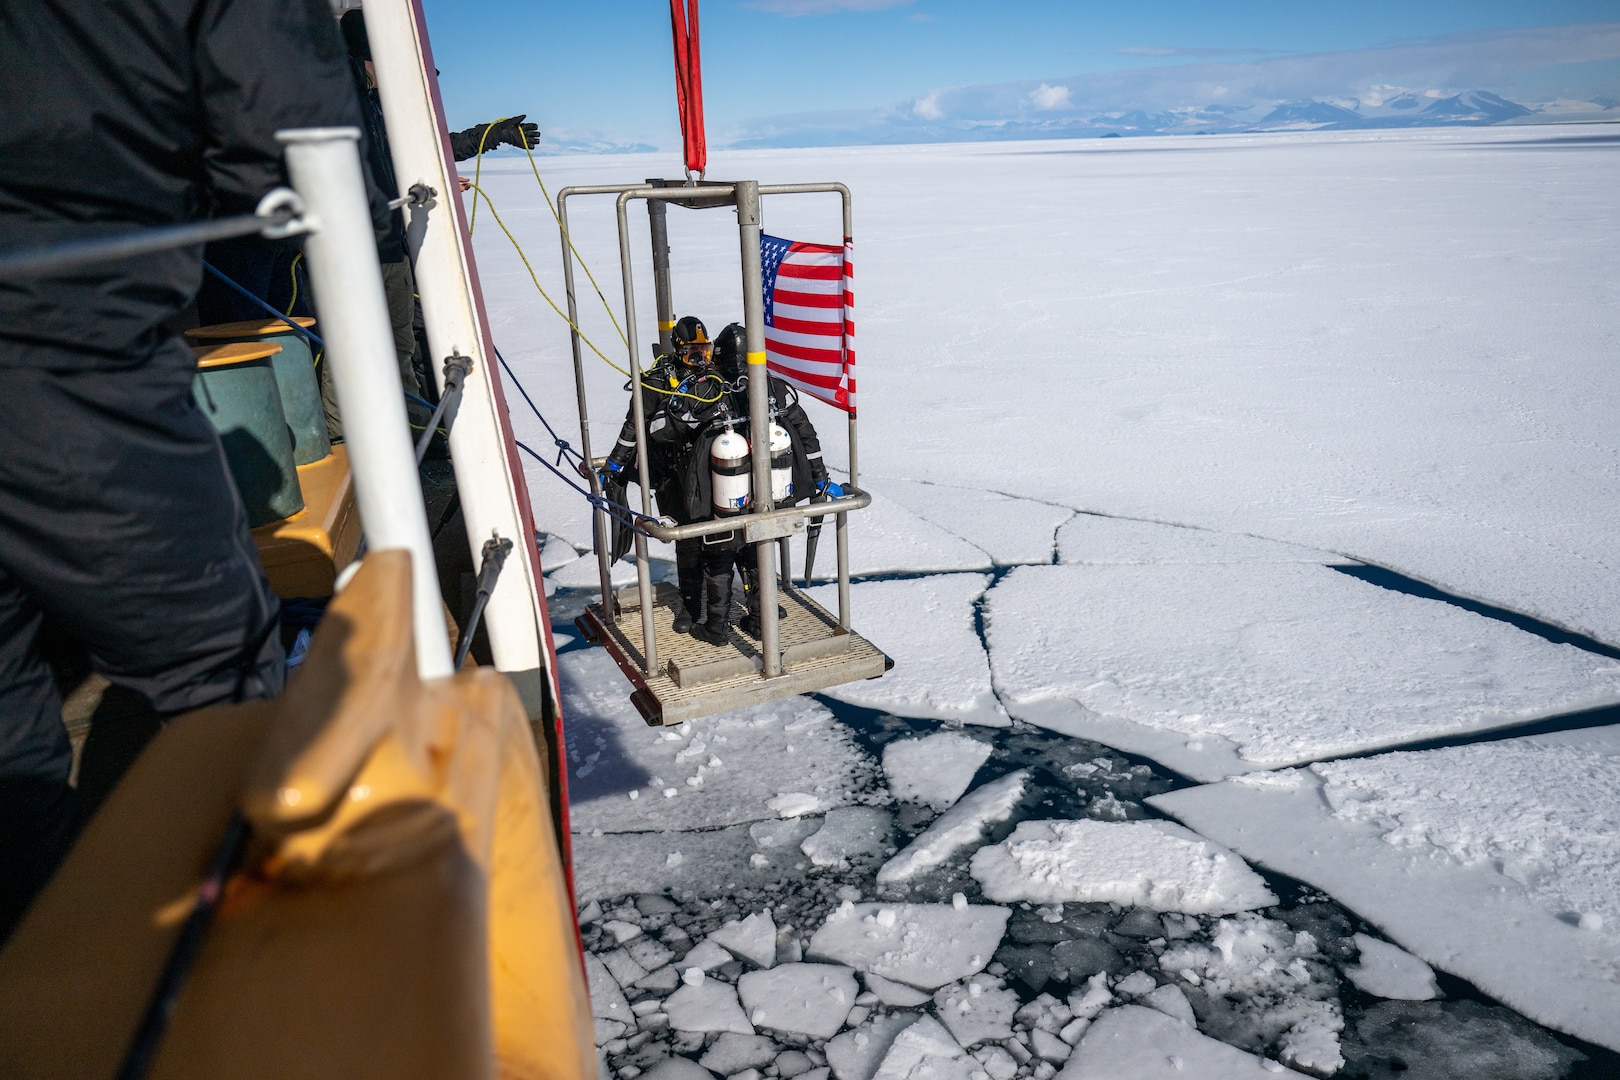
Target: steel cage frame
763, 522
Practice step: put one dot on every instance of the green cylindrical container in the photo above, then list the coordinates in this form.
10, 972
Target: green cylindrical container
236, 388
295, 376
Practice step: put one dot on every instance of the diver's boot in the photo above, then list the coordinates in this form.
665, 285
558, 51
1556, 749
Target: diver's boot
749, 623
685, 616
713, 629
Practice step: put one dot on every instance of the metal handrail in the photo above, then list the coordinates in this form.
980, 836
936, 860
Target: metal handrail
278, 215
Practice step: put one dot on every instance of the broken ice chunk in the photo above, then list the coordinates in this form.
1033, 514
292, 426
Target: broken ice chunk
934, 770
1048, 1047
893, 993
1137, 1042
705, 956
807, 999
753, 939
1388, 971
1172, 1001
920, 1051
622, 931
711, 1005
977, 1011
1135, 984
1153, 864
855, 1055
959, 828
676, 1068
792, 804
847, 831
732, 1053
625, 970
607, 1000
926, 945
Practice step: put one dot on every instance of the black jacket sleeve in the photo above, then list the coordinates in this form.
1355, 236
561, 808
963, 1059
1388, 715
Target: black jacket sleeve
807, 463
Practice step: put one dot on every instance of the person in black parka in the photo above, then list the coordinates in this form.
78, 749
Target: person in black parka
120, 528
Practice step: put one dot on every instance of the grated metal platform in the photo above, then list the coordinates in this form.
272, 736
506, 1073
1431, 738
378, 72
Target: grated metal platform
698, 679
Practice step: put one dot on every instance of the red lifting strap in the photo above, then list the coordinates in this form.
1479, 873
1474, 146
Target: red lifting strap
689, 83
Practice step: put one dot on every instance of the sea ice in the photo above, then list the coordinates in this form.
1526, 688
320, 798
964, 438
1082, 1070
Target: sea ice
607, 1000
855, 1055
807, 999
710, 1005
753, 939
1095, 540
977, 1011
893, 993
957, 829
677, 1068
746, 757
732, 1053
1389, 971
1443, 1040
1170, 1000
926, 625
712, 863
886, 537
1131, 1042
921, 1051
1011, 530
935, 769
705, 956
923, 945
1442, 849
847, 831
1153, 864
1281, 663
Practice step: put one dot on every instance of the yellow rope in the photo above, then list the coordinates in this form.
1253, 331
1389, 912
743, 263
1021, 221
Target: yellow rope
294, 272
640, 376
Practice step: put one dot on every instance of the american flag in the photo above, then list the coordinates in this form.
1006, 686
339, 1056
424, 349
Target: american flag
809, 317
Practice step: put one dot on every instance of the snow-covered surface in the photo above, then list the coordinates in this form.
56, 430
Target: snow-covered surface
957, 829
1153, 864
922, 945
1095, 540
1495, 862
1389, 971
722, 769
935, 769
806, 999
1280, 663
1136, 1043
926, 626
1010, 530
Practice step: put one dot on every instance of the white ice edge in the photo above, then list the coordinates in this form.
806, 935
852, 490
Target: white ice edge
1468, 920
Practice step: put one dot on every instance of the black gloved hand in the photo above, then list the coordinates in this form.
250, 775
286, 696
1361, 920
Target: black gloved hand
514, 132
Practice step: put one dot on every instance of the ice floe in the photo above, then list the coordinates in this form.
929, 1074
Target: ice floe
1260, 666
806, 999
933, 770
1135, 1043
752, 939
922, 945
1483, 860
1153, 864
856, 1054
1389, 971
707, 1005
957, 829
927, 626
846, 832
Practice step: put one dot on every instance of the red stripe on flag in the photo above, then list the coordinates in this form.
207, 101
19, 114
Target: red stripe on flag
819, 249
807, 299
798, 352
802, 326
819, 273
825, 382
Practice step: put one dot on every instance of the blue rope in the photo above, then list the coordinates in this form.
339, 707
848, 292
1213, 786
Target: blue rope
562, 445
212, 269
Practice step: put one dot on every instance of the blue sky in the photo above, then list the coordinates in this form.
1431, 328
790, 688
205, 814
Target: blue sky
772, 68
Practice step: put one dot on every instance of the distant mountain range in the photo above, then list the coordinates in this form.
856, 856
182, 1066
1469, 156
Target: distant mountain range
1404, 109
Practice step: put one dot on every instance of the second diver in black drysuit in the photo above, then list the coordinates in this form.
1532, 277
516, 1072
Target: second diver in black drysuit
809, 471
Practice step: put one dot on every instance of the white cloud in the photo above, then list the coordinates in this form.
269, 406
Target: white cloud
1049, 97
928, 108
792, 8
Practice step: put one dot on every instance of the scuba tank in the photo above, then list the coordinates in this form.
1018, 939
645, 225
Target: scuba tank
781, 464
729, 467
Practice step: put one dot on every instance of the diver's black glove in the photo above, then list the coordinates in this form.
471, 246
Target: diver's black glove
514, 132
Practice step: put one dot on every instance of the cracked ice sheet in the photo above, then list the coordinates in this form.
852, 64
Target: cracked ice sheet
1010, 529
926, 625
741, 760
705, 864
1096, 540
1213, 671
1479, 859
887, 538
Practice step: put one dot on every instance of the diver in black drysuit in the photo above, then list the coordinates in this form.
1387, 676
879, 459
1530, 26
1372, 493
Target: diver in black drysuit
681, 396
809, 471
121, 531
